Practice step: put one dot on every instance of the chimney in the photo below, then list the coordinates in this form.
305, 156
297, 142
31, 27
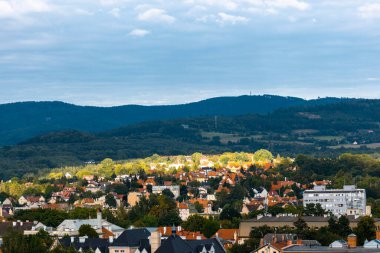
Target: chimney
164, 230
289, 242
72, 239
14, 223
235, 236
261, 242
377, 234
110, 239
299, 242
155, 241
82, 239
352, 241
199, 237
99, 219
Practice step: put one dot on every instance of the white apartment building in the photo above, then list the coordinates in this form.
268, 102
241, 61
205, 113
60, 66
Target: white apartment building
346, 201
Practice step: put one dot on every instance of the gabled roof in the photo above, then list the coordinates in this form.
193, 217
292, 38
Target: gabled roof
227, 234
86, 244
132, 237
175, 244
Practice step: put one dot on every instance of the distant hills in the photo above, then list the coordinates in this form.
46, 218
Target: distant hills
326, 127
21, 121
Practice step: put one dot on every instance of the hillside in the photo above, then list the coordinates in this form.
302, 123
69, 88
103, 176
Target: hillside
325, 130
21, 121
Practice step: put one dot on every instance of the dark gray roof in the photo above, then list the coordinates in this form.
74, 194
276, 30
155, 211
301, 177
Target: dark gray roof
89, 243
199, 244
132, 237
175, 244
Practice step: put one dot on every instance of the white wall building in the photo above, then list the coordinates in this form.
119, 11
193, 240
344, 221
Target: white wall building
338, 201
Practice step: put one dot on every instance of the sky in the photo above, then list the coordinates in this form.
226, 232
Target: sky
114, 52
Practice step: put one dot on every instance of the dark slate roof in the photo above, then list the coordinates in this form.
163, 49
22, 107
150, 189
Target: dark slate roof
89, 243
145, 244
132, 237
175, 244
199, 244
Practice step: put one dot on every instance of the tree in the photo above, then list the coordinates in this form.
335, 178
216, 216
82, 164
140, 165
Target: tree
87, 230
194, 223
301, 227
343, 226
198, 206
15, 242
263, 155
366, 229
147, 221
228, 213
312, 209
210, 227
168, 193
110, 200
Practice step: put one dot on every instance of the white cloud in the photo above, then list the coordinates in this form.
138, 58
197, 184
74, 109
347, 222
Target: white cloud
115, 12
224, 4
17, 8
139, 33
156, 15
226, 18
369, 11
373, 79
279, 4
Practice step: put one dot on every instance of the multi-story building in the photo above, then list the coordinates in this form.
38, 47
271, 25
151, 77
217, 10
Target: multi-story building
346, 201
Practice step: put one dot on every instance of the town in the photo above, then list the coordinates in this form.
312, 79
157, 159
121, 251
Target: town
233, 202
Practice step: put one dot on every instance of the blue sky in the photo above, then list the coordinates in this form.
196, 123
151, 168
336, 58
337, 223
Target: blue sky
112, 52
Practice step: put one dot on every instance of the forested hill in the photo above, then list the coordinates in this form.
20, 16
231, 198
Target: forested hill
322, 130
21, 121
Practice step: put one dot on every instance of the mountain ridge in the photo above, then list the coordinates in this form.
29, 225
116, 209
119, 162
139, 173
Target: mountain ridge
23, 120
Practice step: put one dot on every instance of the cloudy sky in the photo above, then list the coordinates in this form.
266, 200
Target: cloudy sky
112, 52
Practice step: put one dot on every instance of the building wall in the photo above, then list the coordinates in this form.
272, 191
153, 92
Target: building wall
338, 201
122, 250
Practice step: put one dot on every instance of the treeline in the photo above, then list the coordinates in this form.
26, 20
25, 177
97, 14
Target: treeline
318, 130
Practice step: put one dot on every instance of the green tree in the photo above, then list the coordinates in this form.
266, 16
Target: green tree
87, 230
194, 223
168, 193
263, 155
210, 227
343, 226
301, 227
228, 213
198, 206
366, 229
110, 200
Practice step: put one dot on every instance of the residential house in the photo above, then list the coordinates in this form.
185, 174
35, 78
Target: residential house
131, 241
71, 227
176, 244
